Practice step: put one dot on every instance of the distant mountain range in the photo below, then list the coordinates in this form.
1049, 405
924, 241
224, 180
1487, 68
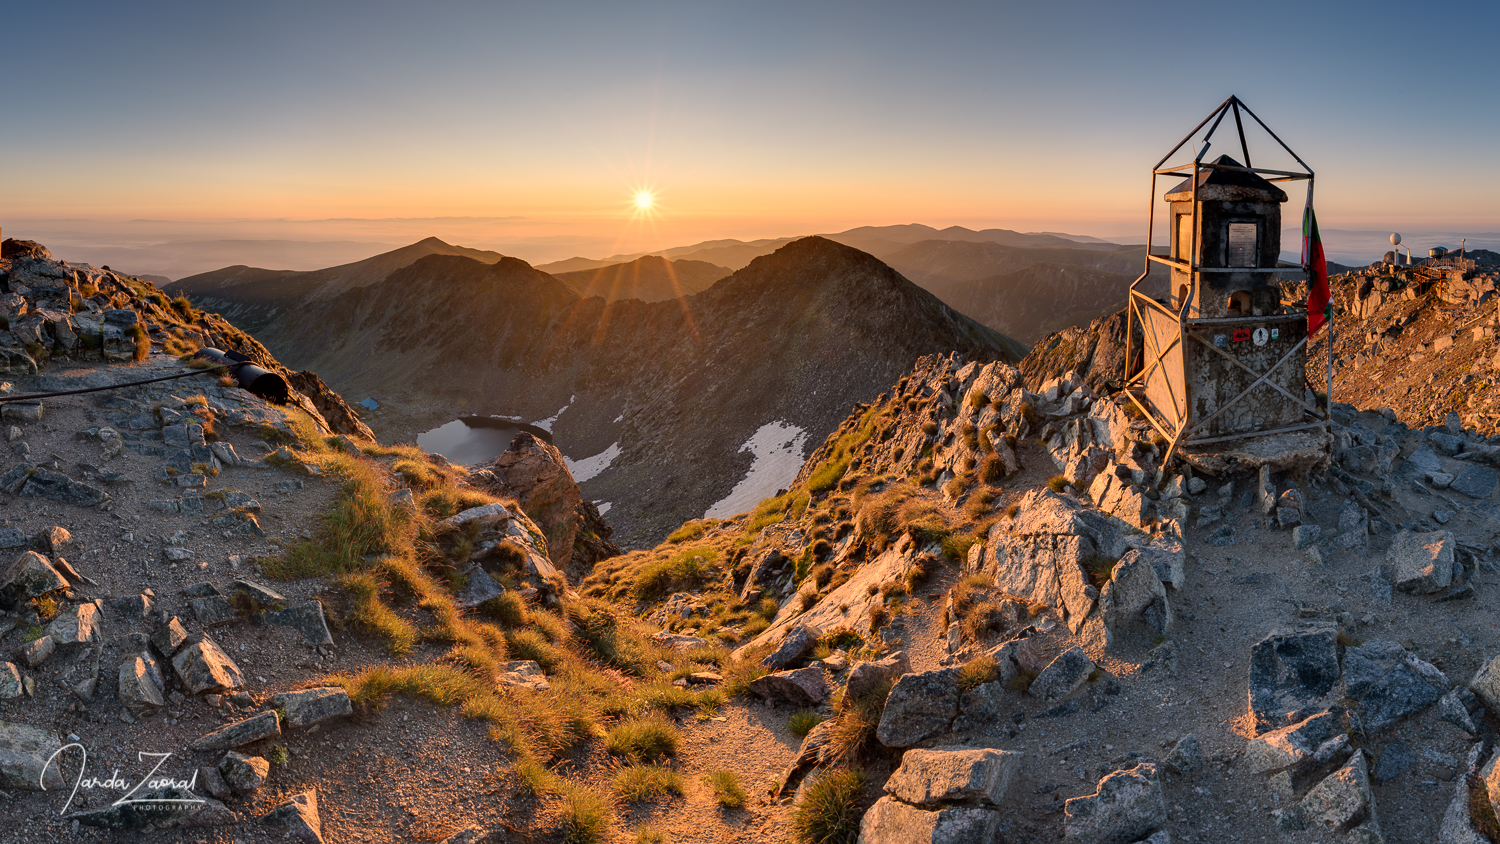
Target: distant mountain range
672, 389
650, 278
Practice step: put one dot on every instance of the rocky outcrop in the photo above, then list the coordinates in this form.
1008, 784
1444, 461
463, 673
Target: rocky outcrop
534, 473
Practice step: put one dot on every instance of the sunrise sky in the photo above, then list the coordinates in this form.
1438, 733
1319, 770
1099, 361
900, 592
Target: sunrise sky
745, 120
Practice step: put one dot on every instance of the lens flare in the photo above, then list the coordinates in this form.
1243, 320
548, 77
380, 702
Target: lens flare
643, 200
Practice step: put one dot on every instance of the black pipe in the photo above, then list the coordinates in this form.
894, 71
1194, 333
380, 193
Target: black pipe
267, 385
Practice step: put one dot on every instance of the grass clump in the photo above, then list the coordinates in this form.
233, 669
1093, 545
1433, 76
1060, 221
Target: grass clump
1099, 569
979, 400
727, 789
648, 834
687, 569
508, 609
639, 783
586, 817
836, 461
802, 722
648, 739
1057, 483
691, 531
829, 813
978, 671
142, 342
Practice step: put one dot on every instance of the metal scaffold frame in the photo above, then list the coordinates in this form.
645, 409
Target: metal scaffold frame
1164, 398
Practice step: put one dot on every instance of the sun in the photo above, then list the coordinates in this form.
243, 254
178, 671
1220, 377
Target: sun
643, 200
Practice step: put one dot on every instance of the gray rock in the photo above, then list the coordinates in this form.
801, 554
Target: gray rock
1134, 599
1389, 683
526, 674
970, 775
55, 486
37, 651
1455, 709
1305, 535
1439, 480
75, 626
1354, 527
876, 676
1292, 670
1422, 562
168, 807
479, 588
678, 641
1290, 746
1066, 673
11, 686
890, 821
1443, 516
244, 773
1196, 486
1186, 756
29, 576
213, 610
211, 781
299, 817
1457, 825
801, 687
24, 751
169, 637
919, 706
793, 647
311, 706
306, 618
1476, 482
177, 555
240, 733
13, 538
203, 667
1221, 538
1446, 443
133, 606
139, 692
1127, 807
1395, 759
259, 595
55, 539
1342, 799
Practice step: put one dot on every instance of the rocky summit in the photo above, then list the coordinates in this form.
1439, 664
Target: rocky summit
985, 608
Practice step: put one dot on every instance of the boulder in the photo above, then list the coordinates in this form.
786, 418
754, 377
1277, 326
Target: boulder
166, 807
241, 733
310, 706
75, 626
244, 773
801, 687
306, 618
876, 676
11, 686
526, 674
1476, 482
203, 667
792, 648
1291, 670
1127, 807
969, 775
890, 821
1135, 599
1422, 562
24, 752
298, 817
678, 641
478, 588
1064, 674
169, 637
919, 706
29, 576
37, 651
1343, 799
1389, 683
139, 691
55, 486
1486, 684
1278, 750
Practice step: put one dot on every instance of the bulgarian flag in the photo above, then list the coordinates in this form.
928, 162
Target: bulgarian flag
1319, 302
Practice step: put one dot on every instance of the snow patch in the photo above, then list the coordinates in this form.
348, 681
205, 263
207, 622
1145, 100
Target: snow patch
589, 467
546, 424
777, 447
603, 506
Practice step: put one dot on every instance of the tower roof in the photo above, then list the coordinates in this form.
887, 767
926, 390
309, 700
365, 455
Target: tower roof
1220, 185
